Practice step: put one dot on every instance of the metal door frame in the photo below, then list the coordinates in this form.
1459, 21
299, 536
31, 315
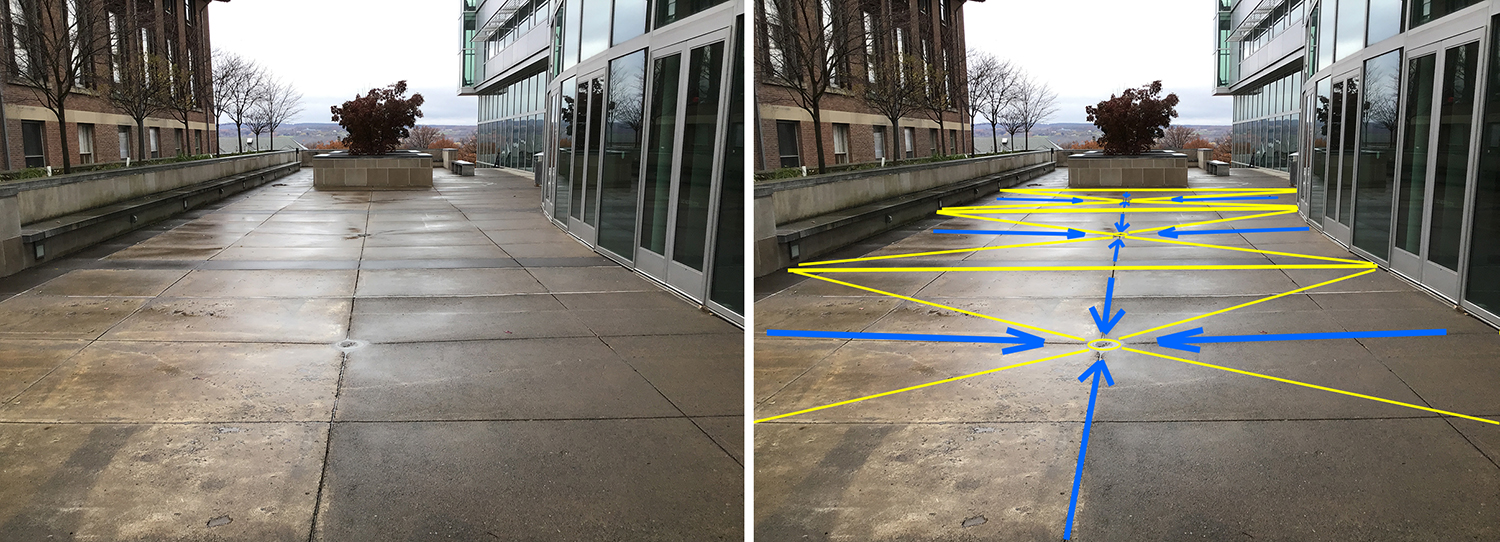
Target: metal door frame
579, 227
1331, 225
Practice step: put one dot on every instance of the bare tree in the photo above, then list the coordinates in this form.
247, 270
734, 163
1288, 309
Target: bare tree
998, 97
258, 120
1037, 102
808, 52
421, 137
229, 71
979, 75
1176, 137
140, 91
895, 91
936, 101
1012, 121
280, 103
56, 45
183, 98
239, 96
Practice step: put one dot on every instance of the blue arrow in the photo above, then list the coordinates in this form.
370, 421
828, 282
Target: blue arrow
1187, 341
1116, 245
1173, 232
1125, 202
1097, 369
1070, 234
1121, 225
1104, 322
1049, 200
1224, 198
1024, 341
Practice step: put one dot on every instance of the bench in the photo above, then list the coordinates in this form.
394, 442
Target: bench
75, 231
1216, 167
463, 168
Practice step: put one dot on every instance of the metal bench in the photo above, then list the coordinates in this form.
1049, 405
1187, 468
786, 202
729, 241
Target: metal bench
463, 168
1216, 167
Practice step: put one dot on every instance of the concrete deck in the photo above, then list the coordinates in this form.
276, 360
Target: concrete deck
303, 365
1177, 451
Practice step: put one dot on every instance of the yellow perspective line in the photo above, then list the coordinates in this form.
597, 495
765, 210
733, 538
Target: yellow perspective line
920, 386
809, 273
1247, 304
1083, 268
1313, 386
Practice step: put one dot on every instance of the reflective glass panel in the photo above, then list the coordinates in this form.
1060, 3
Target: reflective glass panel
592, 157
699, 137
630, 20
1414, 146
1350, 33
657, 185
622, 153
1377, 154
1455, 118
728, 286
595, 31
580, 146
1349, 149
1335, 141
1484, 251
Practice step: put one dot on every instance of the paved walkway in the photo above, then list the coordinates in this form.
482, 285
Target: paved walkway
1177, 451
303, 365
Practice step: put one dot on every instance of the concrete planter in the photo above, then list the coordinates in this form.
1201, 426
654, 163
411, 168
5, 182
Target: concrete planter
1161, 169
401, 170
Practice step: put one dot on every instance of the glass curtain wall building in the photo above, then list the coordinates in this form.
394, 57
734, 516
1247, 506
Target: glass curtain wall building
630, 115
1397, 118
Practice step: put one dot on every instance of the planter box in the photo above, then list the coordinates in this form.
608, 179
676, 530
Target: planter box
1151, 170
394, 171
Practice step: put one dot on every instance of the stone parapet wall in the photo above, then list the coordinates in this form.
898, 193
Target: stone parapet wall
1156, 170
385, 172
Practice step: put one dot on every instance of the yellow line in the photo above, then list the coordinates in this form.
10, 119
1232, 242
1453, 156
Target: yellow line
919, 386
1243, 305
1122, 190
1313, 386
1126, 210
1084, 268
809, 273
1214, 221
1251, 250
952, 251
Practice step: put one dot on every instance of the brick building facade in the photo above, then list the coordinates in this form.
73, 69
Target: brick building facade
851, 129
178, 30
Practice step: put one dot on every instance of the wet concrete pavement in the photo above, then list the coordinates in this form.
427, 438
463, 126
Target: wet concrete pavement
304, 365
1177, 451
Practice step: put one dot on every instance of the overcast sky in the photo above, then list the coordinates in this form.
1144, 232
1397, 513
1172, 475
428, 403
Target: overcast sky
334, 49
1090, 49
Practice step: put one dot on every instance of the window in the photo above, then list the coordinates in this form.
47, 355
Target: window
114, 46
772, 39
879, 142
85, 143
869, 22
786, 143
840, 143
31, 143
181, 143
671, 11
1426, 11
932, 136
1350, 34
19, 35
953, 141
911, 136
943, 11
124, 142
155, 142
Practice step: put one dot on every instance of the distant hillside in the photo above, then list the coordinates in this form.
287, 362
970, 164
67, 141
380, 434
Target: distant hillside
1064, 133
318, 132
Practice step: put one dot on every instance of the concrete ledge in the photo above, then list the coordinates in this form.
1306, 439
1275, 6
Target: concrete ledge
394, 171
1150, 170
821, 235
67, 234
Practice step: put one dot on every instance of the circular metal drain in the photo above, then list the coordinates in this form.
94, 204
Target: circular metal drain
347, 345
1103, 345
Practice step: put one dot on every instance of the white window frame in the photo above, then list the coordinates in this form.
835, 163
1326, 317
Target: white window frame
840, 143
85, 143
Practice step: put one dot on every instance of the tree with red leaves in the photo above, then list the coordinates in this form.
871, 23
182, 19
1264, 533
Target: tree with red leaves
378, 121
1133, 121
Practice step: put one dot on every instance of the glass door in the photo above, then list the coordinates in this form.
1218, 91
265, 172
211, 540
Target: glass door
547, 170
1436, 138
560, 163
583, 210
683, 161
1343, 151
1316, 157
